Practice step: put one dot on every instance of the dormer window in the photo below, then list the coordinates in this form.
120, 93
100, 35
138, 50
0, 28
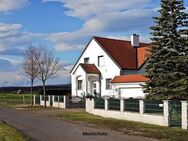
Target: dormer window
86, 60
100, 61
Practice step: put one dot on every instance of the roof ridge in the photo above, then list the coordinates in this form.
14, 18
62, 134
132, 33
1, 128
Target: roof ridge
109, 38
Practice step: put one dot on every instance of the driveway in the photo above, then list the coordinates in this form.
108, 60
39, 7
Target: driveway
45, 128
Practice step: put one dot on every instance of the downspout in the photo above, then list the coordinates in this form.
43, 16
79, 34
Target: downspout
86, 89
99, 85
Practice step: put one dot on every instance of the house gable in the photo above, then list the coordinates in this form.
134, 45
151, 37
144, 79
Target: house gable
92, 51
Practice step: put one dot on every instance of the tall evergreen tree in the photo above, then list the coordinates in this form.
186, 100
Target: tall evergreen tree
167, 65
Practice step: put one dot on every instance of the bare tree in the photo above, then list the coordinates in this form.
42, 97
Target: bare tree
30, 66
48, 65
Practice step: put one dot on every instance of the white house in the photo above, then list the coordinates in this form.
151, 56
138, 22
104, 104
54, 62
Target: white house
110, 67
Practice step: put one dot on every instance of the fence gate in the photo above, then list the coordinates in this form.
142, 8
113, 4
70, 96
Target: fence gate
174, 119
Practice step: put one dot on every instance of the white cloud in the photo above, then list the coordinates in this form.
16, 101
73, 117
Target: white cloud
9, 5
12, 36
135, 20
67, 47
68, 67
88, 8
12, 76
102, 18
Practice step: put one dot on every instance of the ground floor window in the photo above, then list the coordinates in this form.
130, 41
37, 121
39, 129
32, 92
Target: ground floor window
79, 84
108, 84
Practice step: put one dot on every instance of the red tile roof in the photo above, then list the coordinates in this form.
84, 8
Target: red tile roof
124, 54
90, 68
129, 78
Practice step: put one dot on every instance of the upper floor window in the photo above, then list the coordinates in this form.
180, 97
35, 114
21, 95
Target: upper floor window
100, 61
86, 60
108, 84
79, 84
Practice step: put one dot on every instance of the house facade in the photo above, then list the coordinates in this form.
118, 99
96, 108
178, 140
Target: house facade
110, 67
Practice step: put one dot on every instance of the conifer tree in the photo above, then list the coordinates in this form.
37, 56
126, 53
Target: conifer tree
167, 65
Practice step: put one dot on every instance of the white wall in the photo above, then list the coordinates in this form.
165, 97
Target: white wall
109, 70
128, 90
81, 75
132, 116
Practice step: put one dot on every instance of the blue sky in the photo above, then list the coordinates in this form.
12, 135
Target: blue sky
66, 26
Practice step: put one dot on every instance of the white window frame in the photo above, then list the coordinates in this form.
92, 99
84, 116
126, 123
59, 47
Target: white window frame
101, 61
80, 84
108, 84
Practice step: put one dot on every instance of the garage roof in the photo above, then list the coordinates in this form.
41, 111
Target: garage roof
129, 79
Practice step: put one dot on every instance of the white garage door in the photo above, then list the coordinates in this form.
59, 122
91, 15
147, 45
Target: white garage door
131, 92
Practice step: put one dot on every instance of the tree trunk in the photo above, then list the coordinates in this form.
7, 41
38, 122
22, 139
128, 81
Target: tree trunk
32, 92
44, 93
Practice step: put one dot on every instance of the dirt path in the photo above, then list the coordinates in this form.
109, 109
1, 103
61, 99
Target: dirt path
41, 127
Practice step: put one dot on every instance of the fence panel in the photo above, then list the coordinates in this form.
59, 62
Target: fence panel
174, 113
99, 103
37, 99
153, 106
15, 100
46, 98
113, 104
61, 98
55, 98
131, 105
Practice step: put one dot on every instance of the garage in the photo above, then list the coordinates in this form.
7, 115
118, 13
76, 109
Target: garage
129, 86
131, 92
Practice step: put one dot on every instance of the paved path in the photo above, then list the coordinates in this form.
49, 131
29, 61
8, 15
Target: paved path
43, 128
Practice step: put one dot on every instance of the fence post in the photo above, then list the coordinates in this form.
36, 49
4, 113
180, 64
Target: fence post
41, 100
122, 105
89, 104
106, 104
49, 100
34, 102
141, 107
64, 101
165, 111
184, 114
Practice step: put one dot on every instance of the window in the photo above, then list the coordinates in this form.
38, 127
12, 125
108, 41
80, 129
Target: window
79, 84
86, 60
108, 84
100, 61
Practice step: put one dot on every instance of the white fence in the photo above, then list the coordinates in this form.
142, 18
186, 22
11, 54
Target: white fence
52, 100
162, 120
58, 102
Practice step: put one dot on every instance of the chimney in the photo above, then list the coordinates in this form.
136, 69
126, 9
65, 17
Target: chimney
135, 40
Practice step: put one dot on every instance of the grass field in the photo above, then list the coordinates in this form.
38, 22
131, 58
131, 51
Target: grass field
128, 127
8, 133
11, 100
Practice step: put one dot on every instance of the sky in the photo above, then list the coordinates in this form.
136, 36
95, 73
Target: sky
66, 26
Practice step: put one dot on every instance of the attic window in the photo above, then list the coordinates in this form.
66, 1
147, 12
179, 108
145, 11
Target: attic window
100, 61
86, 60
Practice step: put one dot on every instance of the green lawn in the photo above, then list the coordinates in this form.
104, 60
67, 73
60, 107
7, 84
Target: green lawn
11, 100
128, 127
8, 133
